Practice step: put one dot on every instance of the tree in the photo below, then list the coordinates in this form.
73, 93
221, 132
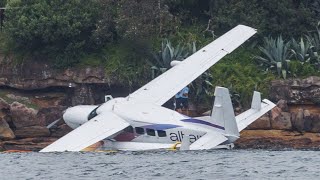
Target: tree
143, 19
60, 30
287, 17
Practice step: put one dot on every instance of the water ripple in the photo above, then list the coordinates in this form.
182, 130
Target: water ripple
233, 164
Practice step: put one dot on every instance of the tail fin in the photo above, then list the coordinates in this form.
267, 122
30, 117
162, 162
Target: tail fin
222, 112
258, 109
256, 101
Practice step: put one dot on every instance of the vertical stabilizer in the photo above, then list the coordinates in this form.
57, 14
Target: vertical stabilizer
222, 112
256, 101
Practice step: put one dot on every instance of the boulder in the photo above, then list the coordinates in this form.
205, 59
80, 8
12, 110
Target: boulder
33, 131
282, 122
5, 132
49, 114
23, 116
282, 104
297, 120
261, 123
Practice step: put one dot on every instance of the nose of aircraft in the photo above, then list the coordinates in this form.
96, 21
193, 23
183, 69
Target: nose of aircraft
77, 115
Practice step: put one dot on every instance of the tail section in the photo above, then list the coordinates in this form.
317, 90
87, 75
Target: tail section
222, 112
258, 109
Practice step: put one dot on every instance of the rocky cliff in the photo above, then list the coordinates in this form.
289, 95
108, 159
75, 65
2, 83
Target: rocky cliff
293, 123
34, 95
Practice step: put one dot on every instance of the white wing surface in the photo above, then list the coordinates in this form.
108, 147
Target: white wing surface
97, 129
208, 141
168, 84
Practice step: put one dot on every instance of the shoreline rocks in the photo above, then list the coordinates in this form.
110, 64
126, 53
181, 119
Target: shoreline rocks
277, 140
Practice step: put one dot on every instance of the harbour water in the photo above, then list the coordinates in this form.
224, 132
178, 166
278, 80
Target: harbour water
216, 164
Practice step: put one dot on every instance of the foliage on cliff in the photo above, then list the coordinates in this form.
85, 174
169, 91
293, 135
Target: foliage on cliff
60, 30
123, 35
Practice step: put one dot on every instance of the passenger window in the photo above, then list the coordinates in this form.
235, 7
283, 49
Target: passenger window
129, 129
161, 133
139, 130
151, 132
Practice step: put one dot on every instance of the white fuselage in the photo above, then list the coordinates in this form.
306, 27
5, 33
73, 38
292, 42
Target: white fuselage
152, 126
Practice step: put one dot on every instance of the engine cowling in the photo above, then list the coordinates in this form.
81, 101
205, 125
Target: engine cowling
77, 115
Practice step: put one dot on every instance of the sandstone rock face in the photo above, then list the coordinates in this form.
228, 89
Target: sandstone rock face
4, 104
49, 114
297, 120
23, 116
296, 91
282, 122
282, 104
28, 144
1, 146
275, 112
60, 131
5, 132
307, 118
261, 123
277, 139
38, 75
82, 95
33, 131
315, 123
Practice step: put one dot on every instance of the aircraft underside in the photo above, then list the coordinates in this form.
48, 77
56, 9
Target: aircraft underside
110, 145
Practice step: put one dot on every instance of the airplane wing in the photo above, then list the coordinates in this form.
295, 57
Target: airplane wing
99, 128
208, 141
172, 81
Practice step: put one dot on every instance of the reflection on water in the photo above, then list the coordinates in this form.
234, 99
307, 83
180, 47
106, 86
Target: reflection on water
217, 164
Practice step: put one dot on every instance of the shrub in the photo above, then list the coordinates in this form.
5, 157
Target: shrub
275, 55
239, 73
60, 30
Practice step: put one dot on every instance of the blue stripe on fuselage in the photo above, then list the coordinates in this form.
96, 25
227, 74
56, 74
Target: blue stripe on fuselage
198, 121
161, 126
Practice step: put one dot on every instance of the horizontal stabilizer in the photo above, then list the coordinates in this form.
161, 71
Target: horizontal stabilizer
102, 126
208, 141
246, 118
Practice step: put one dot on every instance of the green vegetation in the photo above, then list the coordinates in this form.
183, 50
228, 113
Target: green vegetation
58, 30
133, 38
10, 98
240, 74
275, 55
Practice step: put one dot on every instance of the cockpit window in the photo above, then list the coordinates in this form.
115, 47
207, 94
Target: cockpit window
93, 113
129, 129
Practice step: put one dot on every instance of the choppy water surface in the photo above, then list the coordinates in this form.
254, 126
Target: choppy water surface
221, 164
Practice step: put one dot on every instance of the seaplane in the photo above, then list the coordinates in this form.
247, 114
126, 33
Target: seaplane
140, 122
